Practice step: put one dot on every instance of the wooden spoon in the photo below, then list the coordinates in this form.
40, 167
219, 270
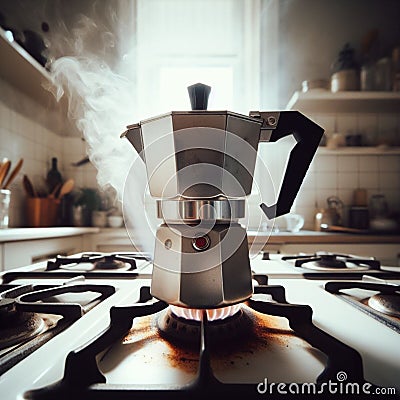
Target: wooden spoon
67, 186
29, 189
14, 173
4, 171
52, 195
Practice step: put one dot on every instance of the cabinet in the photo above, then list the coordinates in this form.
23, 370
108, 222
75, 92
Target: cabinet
25, 252
110, 240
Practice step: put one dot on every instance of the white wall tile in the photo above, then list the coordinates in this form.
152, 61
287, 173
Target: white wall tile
389, 180
387, 129
305, 198
346, 195
368, 163
369, 180
389, 163
326, 180
322, 196
309, 180
326, 121
368, 128
347, 163
326, 163
346, 123
347, 180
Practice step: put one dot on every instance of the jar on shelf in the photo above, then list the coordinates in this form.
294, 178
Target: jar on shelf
346, 71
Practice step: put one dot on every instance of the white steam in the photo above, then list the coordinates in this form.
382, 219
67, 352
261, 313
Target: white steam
101, 104
100, 101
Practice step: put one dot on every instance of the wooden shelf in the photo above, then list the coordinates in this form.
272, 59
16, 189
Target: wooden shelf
324, 101
343, 151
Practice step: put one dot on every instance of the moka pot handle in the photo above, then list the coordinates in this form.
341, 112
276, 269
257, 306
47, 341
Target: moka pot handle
307, 134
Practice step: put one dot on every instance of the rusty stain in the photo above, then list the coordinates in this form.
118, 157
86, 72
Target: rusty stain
264, 331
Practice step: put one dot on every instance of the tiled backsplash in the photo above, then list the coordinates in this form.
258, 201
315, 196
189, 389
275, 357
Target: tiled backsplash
339, 174
24, 135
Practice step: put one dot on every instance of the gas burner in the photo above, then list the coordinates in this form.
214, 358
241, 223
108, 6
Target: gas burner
386, 303
30, 315
326, 261
379, 300
110, 262
184, 325
17, 326
97, 261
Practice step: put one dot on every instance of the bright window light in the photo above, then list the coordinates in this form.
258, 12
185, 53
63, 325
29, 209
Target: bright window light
219, 78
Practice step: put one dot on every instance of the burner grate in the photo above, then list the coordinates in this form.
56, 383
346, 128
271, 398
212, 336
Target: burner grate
337, 288
101, 261
333, 260
31, 300
92, 384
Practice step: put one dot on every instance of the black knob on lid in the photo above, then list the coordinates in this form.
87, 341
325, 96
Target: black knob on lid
198, 94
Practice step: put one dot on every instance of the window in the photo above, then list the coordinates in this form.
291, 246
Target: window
181, 42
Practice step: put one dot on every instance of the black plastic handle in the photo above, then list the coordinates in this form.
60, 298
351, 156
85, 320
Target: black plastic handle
199, 94
308, 135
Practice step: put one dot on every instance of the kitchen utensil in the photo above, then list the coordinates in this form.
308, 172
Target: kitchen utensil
4, 171
344, 229
29, 189
200, 166
13, 173
66, 187
81, 162
41, 212
53, 193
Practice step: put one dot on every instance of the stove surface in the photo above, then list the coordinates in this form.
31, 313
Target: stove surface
144, 356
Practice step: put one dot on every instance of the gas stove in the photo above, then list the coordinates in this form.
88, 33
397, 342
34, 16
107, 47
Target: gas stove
123, 343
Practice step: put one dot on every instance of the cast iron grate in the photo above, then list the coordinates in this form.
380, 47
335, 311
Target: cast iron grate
32, 299
336, 288
92, 384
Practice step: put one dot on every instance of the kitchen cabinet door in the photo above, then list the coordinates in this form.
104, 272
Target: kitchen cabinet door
22, 253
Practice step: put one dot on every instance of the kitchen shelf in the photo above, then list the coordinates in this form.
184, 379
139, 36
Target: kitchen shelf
347, 151
23, 72
324, 101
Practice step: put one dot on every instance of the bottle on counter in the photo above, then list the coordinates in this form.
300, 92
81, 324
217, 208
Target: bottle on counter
54, 177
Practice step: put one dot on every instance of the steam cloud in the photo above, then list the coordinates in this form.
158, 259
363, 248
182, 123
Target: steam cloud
101, 104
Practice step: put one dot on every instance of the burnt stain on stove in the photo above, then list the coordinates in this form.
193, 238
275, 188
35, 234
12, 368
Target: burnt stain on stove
263, 331
267, 336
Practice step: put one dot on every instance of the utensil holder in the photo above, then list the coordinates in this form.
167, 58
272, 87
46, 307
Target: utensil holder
41, 212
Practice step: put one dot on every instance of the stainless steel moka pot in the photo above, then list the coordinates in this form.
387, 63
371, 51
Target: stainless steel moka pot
200, 166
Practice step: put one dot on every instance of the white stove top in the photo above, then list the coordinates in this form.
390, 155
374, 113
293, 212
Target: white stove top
144, 358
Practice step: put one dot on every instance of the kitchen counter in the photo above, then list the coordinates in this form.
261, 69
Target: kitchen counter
305, 236
18, 234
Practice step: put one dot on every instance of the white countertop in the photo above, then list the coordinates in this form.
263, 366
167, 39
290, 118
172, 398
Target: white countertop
16, 234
